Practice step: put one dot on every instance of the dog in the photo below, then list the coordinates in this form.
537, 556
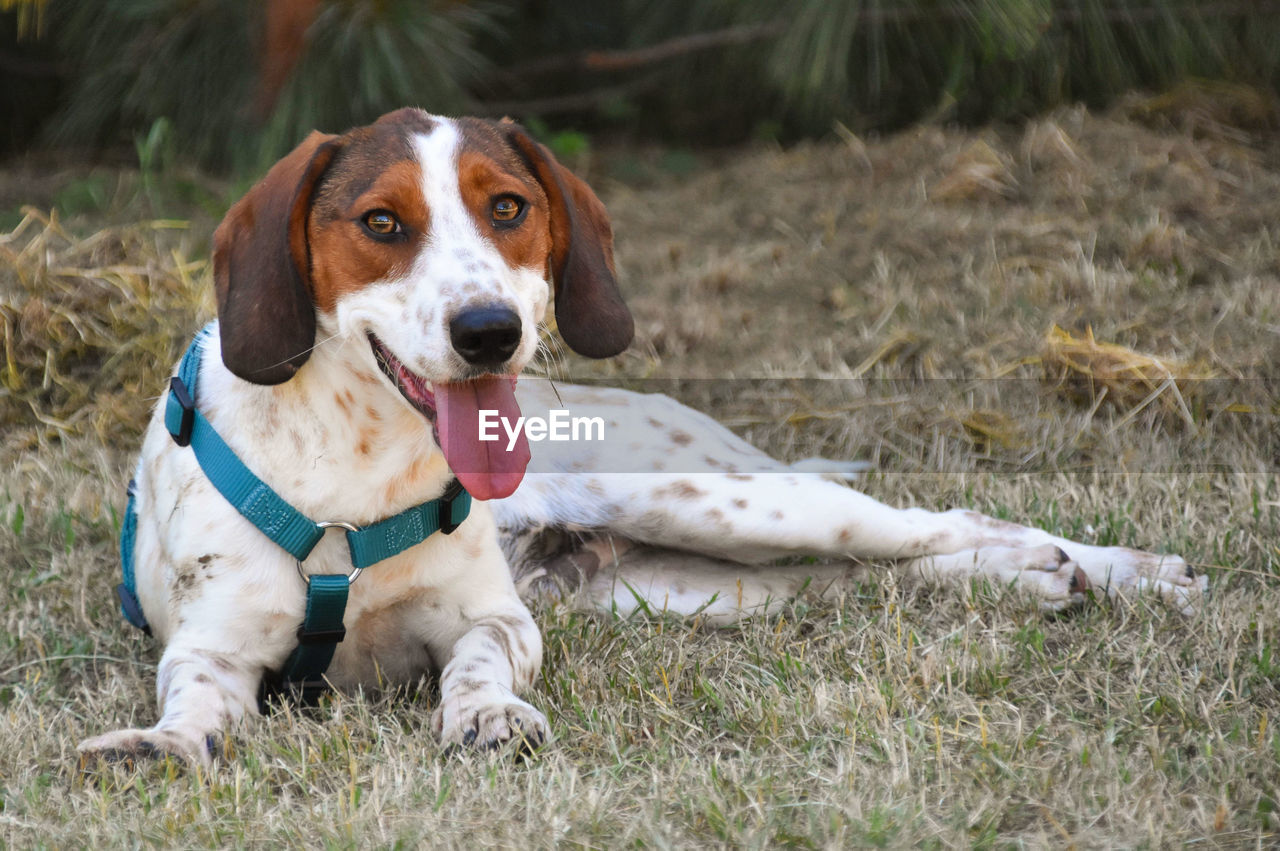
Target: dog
378, 292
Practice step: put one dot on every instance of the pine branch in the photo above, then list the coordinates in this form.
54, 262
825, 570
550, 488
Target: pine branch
587, 101
621, 60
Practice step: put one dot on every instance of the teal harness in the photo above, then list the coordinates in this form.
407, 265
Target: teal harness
322, 627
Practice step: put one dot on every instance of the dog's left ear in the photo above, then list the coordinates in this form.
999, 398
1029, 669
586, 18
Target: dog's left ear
590, 313
261, 274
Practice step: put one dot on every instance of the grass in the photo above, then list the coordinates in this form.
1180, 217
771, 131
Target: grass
996, 347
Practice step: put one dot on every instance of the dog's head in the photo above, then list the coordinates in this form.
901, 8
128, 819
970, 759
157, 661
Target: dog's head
433, 242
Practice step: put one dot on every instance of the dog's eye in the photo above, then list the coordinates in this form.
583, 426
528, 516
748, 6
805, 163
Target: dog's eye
507, 210
382, 223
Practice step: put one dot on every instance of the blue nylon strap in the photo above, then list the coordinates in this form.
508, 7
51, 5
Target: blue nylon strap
292, 530
278, 520
377, 541
322, 627
127, 590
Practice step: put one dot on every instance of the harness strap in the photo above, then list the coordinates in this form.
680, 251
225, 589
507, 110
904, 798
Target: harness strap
129, 605
302, 675
289, 528
322, 627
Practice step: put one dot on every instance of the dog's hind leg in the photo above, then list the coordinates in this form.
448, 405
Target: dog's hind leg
758, 518
614, 574
675, 479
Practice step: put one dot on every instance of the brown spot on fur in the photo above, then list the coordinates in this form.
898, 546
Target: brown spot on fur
776, 515
221, 662
738, 477
845, 536
681, 438
739, 503
374, 170
655, 423
467, 685
992, 523
679, 490
409, 480
488, 168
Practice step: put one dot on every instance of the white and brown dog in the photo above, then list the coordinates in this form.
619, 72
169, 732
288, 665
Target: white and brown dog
376, 291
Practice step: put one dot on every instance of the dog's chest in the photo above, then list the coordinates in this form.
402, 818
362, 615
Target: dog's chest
328, 442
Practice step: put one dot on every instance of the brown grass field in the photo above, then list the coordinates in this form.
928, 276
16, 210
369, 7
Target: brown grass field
1073, 323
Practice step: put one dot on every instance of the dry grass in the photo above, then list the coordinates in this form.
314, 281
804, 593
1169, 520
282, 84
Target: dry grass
891, 299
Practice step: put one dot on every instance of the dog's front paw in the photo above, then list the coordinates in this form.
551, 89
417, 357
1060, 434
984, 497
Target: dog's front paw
133, 747
490, 725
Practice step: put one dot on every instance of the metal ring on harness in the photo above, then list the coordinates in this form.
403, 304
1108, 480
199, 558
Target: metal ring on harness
331, 524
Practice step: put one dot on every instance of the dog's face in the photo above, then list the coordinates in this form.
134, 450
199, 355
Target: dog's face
429, 246
435, 244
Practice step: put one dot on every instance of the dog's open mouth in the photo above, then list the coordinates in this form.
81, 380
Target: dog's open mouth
466, 418
413, 387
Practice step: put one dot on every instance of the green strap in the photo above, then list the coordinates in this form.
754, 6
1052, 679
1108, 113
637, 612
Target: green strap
259, 504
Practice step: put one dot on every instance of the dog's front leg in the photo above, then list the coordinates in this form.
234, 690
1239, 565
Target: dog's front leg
497, 655
200, 694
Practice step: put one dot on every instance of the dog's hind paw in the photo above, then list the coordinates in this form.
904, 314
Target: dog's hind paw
134, 747
1124, 573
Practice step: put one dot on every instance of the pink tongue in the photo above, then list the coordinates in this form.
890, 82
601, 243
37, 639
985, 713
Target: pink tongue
485, 468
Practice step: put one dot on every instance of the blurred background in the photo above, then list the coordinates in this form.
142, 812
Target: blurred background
231, 84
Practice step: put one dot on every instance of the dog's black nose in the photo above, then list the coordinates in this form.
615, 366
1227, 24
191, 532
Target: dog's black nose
485, 336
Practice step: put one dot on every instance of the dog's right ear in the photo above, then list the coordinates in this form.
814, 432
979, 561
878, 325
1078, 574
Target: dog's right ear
261, 268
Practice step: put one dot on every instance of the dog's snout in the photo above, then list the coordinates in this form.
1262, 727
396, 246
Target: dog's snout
485, 336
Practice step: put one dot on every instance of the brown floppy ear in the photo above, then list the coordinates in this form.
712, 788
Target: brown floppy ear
590, 313
261, 269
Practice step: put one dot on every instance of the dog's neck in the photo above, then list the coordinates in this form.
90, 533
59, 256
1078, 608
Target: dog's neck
335, 440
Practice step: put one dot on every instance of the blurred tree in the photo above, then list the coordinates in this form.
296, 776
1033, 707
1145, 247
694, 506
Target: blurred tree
241, 81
